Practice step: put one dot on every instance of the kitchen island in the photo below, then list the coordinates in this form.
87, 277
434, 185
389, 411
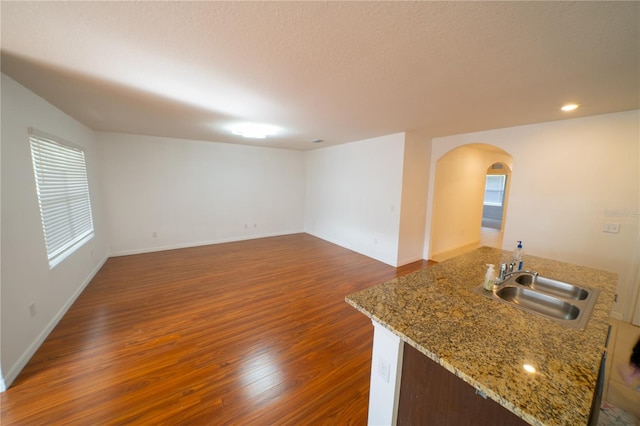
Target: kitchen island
485, 343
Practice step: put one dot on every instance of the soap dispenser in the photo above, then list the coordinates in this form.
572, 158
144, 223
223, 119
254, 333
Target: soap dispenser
518, 256
490, 277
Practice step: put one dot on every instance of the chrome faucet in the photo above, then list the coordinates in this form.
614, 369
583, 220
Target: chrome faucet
506, 270
503, 272
509, 269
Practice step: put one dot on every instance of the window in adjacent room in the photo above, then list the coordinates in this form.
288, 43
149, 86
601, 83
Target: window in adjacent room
494, 190
63, 195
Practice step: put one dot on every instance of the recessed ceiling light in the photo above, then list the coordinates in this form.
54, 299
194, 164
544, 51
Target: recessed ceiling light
254, 130
569, 107
529, 368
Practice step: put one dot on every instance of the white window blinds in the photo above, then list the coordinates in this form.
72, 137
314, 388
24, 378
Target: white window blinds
63, 195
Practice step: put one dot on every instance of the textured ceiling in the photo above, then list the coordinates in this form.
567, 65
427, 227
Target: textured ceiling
339, 71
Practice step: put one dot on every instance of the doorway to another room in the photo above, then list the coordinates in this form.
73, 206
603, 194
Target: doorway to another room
470, 200
493, 205
494, 195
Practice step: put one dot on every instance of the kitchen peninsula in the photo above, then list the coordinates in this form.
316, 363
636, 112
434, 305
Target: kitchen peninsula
485, 343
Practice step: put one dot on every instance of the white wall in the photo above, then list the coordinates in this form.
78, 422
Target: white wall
566, 176
26, 277
353, 195
167, 193
415, 185
3, 384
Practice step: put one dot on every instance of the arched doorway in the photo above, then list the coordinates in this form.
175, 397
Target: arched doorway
458, 198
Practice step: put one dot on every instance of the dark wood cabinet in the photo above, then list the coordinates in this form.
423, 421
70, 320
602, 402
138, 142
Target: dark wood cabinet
431, 395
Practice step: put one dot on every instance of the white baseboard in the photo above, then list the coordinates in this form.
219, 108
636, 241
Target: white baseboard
200, 243
409, 260
13, 372
449, 253
616, 316
391, 262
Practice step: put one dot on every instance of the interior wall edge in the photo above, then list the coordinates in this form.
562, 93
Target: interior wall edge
402, 262
390, 262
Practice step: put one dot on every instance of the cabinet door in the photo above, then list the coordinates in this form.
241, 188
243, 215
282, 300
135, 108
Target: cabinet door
431, 395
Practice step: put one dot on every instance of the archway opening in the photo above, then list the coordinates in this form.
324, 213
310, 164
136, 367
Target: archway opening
458, 202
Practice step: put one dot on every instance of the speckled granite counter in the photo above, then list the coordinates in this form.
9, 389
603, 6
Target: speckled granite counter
485, 343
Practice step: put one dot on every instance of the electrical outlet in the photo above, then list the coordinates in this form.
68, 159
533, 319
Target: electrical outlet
32, 309
154, 234
384, 370
611, 228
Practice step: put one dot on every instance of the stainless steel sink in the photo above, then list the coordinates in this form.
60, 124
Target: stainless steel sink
560, 301
551, 286
539, 302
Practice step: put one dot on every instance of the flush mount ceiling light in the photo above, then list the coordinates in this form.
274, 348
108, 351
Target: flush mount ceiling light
569, 107
254, 130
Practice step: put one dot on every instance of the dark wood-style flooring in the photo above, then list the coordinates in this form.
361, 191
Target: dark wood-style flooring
251, 332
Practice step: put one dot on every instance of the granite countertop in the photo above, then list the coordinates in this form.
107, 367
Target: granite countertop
486, 343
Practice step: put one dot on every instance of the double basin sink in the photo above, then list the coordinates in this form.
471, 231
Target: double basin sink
566, 303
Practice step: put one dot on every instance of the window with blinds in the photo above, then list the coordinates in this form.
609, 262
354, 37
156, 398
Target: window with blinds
63, 195
494, 190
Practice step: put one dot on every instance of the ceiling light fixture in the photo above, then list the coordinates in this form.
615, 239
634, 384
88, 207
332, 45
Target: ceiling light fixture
569, 107
317, 141
529, 368
254, 130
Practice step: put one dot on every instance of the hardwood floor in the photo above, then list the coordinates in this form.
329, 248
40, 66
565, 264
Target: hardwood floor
252, 332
